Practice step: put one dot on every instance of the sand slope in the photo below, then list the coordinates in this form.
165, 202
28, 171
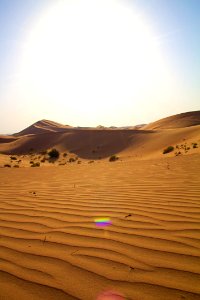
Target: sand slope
187, 119
94, 143
43, 126
50, 247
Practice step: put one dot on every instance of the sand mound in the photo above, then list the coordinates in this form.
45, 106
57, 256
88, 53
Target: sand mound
43, 126
177, 121
95, 144
51, 247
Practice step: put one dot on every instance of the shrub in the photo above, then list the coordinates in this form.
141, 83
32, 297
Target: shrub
13, 158
54, 153
16, 166
64, 154
168, 149
37, 164
71, 159
43, 160
90, 162
7, 166
194, 145
113, 158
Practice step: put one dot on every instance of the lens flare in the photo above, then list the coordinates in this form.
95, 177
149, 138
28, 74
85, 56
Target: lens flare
102, 222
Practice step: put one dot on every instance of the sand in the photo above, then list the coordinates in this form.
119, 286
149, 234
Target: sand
51, 248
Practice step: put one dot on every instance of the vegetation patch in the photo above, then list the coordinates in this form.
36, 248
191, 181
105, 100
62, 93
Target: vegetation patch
37, 164
71, 159
13, 158
168, 149
113, 158
194, 145
54, 154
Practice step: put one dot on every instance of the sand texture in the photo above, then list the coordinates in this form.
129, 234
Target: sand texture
51, 248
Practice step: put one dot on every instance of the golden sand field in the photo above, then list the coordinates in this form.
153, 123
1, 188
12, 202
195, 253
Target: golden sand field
51, 247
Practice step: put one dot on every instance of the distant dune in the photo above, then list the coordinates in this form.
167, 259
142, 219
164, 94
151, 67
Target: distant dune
177, 121
43, 126
94, 143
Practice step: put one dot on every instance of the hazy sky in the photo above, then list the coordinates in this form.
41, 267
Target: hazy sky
92, 62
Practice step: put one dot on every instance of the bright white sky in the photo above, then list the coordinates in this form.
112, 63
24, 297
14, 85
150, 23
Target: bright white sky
92, 62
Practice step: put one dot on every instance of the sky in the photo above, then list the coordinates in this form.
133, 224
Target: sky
97, 62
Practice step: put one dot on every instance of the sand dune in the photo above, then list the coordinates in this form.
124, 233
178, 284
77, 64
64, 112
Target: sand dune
143, 143
43, 126
51, 244
177, 121
51, 248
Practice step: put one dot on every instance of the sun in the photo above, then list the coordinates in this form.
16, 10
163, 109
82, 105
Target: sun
91, 55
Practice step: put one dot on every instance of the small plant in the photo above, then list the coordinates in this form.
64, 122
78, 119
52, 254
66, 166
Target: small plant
37, 164
194, 145
178, 153
43, 160
7, 166
113, 158
13, 158
90, 162
16, 166
54, 154
31, 162
64, 154
168, 149
71, 159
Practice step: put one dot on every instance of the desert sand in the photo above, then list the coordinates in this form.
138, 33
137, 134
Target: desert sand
51, 246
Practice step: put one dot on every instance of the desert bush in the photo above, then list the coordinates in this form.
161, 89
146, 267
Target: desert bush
43, 160
54, 153
178, 153
16, 166
194, 145
113, 158
90, 162
64, 154
37, 164
31, 162
71, 159
13, 157
7, 166
168, 149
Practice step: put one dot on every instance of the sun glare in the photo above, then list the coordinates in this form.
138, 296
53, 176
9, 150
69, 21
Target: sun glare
92, 55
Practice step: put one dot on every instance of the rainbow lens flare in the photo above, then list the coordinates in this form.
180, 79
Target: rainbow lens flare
102, 222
